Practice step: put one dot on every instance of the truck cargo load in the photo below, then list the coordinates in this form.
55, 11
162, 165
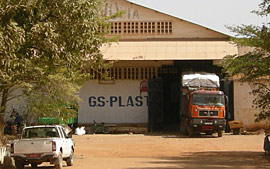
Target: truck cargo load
200, 79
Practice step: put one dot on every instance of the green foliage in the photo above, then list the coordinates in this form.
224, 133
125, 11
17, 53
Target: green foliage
262, 101
53, 99
254, 66
46, 49
249, 67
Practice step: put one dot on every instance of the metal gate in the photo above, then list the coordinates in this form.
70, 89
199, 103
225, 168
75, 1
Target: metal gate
155, 104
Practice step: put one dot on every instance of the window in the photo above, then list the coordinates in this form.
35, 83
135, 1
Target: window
208, 100
40, 132
122, 73
61, 133
147, 27
64, 133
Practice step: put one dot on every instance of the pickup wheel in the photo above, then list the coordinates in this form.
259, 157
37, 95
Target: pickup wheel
19, 164
59, 164
70, 159
34, 165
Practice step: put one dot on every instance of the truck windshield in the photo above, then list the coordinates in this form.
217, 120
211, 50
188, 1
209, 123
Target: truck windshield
208, 100
39, 132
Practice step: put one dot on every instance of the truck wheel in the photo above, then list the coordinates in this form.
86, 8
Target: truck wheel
34, 165
190, 132
19, 164
70, 159
220, 133
59, 164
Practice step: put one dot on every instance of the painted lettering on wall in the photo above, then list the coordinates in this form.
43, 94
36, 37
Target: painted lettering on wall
118, 101
112, 8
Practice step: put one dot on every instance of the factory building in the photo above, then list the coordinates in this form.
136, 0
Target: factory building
143, 85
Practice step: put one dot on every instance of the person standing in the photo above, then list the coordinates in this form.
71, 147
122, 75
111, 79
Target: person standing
18, 121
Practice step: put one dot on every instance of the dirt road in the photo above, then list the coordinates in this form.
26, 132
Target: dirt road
168, 152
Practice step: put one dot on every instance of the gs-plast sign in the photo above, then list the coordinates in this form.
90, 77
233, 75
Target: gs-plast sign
118, 101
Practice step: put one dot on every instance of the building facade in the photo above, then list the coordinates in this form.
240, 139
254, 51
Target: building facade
143, 85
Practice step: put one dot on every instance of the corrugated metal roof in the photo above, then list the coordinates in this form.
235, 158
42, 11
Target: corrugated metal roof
169, 50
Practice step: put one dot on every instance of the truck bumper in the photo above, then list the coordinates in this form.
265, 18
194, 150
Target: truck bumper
45, 158
208, 125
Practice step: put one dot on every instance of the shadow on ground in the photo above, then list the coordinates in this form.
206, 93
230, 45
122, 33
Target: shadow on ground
211, 160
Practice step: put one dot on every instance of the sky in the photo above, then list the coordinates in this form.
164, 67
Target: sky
213, 14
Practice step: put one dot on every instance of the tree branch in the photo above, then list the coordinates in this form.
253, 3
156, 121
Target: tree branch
263, 85
14, 97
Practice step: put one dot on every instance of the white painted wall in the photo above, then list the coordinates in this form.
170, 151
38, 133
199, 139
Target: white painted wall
113, 103
243, 109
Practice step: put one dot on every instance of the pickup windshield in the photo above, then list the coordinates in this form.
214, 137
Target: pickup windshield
208, 100
39, 132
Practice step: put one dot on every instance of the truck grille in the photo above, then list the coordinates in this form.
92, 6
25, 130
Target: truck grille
208, 113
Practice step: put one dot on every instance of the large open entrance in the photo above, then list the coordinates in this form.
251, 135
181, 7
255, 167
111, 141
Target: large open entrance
165, 94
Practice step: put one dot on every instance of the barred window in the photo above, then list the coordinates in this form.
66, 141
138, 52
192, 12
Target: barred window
167, 70
161, 27
123, 73
116, 28
164, 27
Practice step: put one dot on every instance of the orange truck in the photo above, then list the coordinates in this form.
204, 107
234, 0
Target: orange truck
202, 104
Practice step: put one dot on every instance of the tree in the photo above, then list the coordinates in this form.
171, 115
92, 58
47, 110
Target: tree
254, 66
56, 98
46, 49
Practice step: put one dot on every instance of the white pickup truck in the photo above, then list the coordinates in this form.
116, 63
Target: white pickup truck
38, 144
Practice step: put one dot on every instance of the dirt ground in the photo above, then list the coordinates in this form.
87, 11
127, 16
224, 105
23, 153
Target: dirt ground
168, 151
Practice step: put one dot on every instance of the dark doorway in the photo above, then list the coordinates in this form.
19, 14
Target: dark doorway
164, 100
155, 105
227, 87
